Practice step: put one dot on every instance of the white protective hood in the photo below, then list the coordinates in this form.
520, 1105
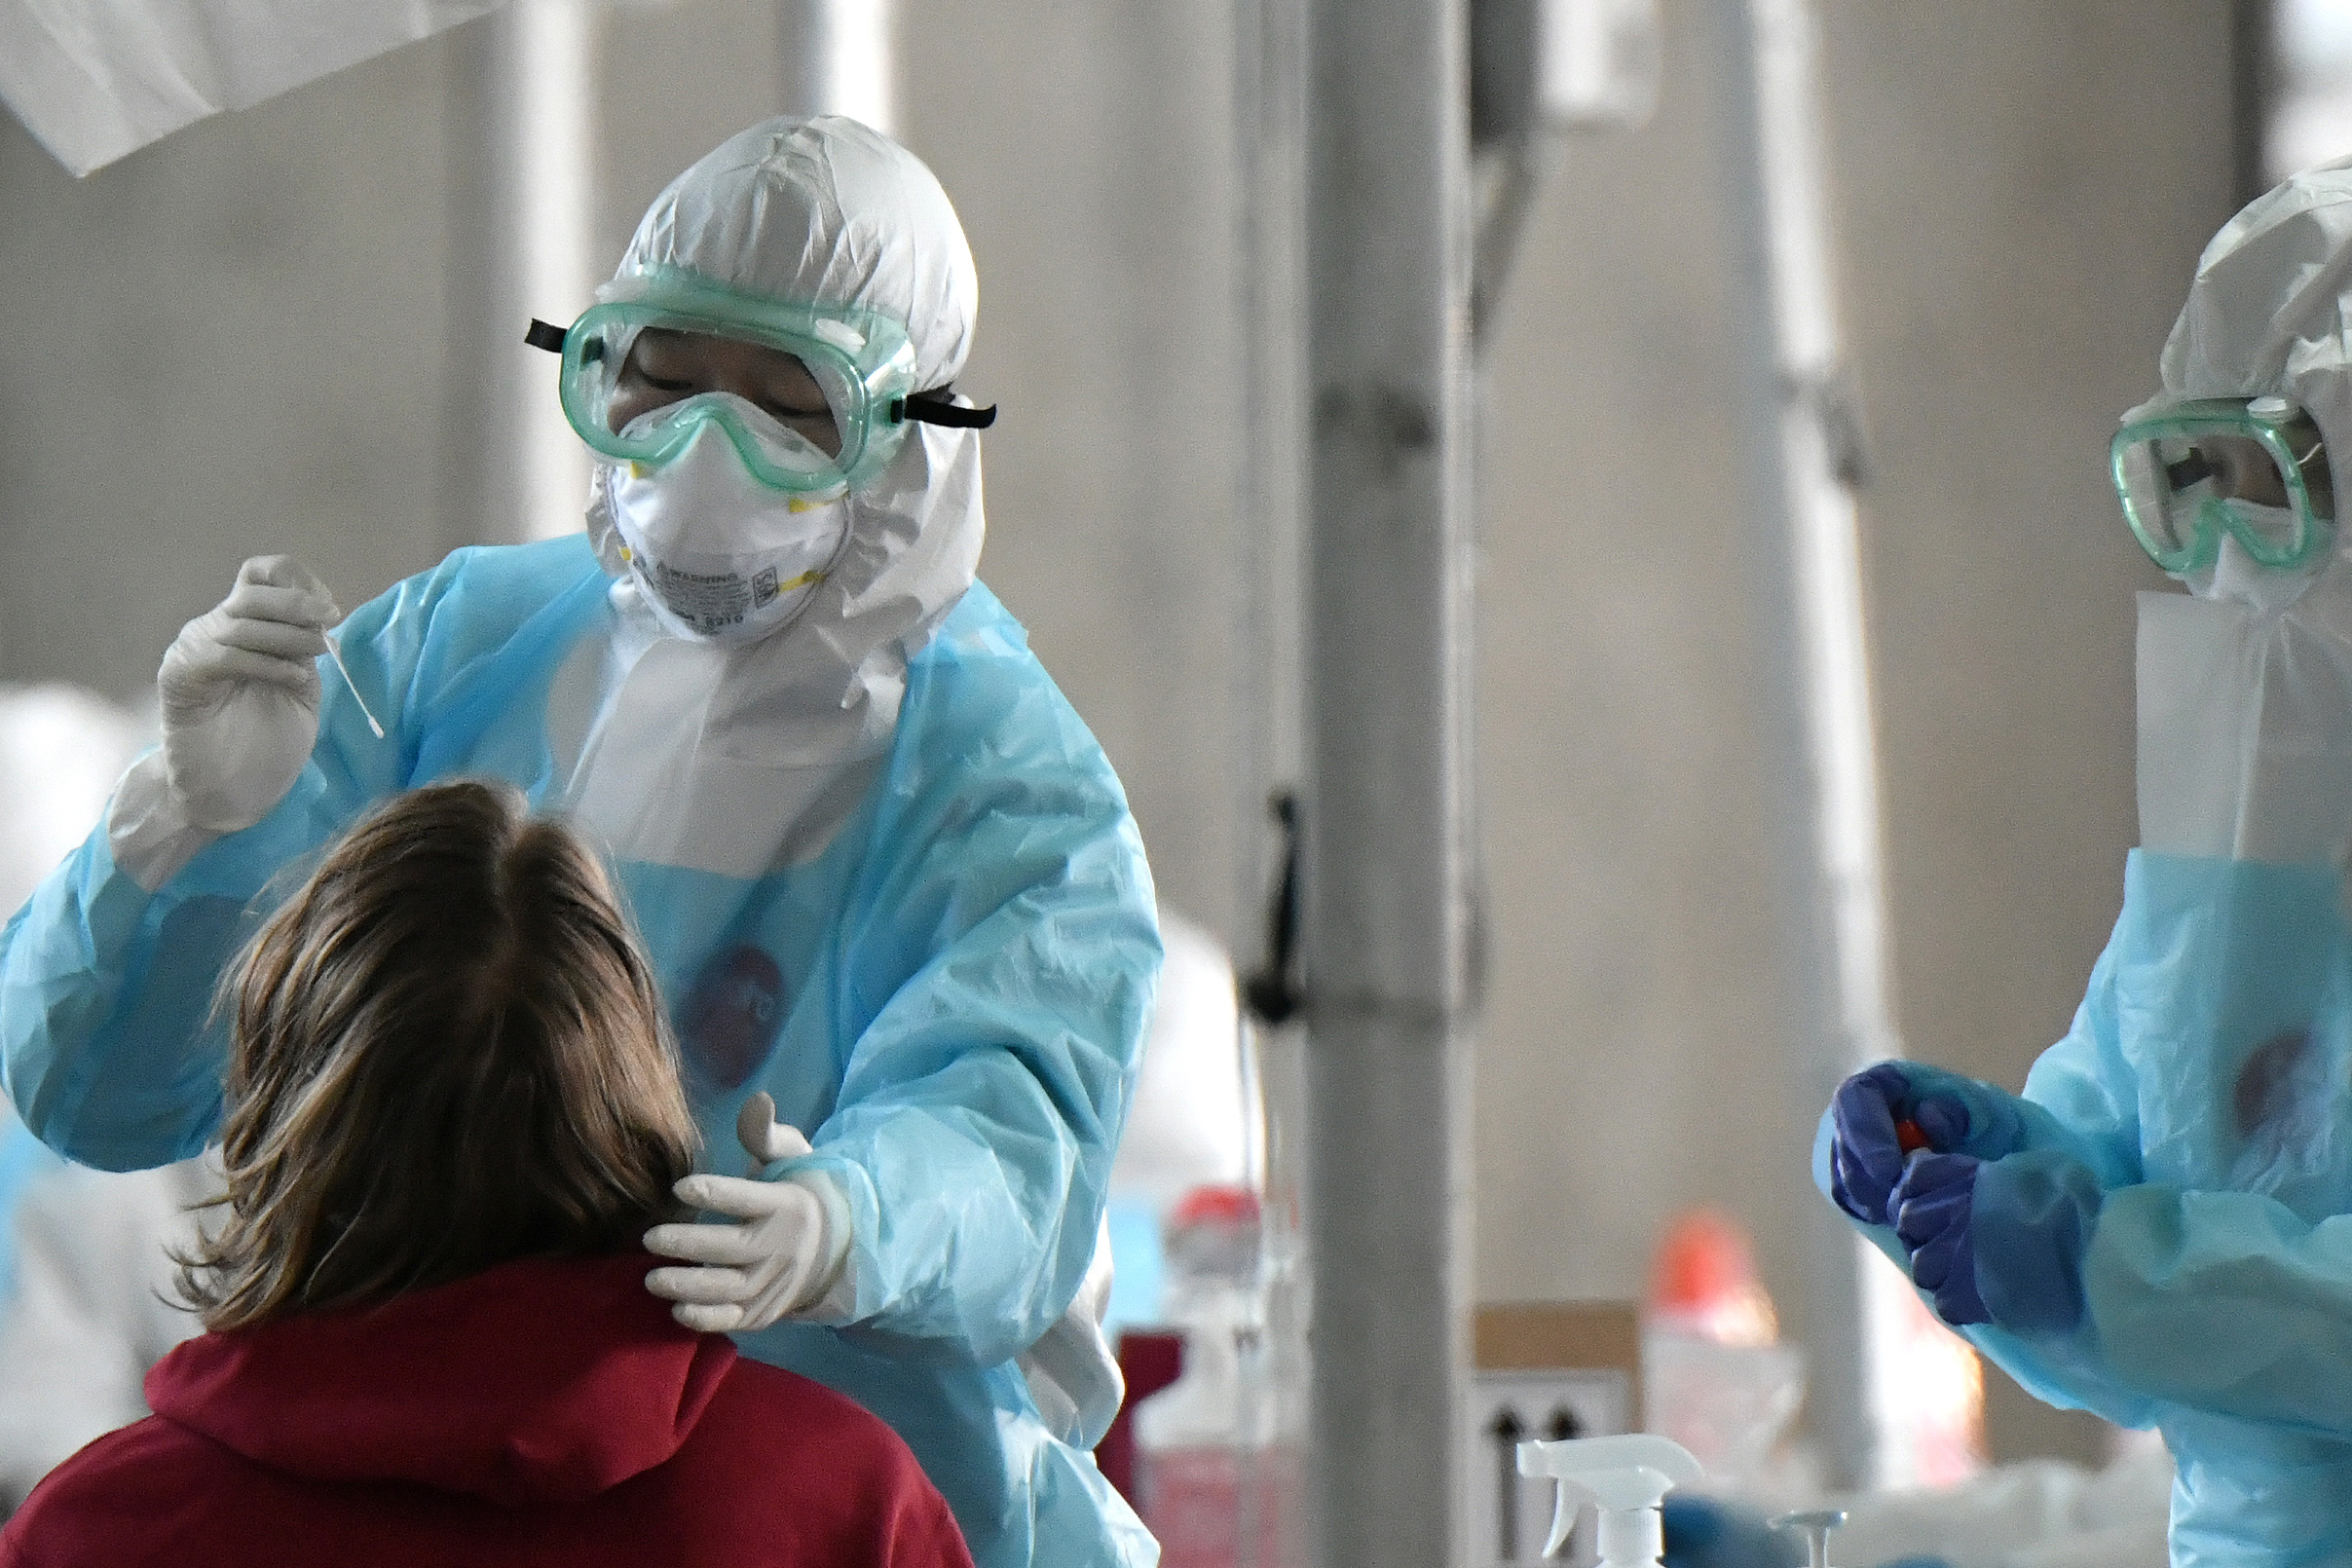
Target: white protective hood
2246, 682
741, 760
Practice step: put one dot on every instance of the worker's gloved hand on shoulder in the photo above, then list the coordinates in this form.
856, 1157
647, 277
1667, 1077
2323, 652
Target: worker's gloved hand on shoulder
1947, 1113
779, 1249
240, 695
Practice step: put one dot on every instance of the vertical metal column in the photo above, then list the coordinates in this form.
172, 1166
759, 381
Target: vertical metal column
1803, 458
1270, 134
2254, 70
553, 64
1270, 143
840, 58
522, 205
1386, 906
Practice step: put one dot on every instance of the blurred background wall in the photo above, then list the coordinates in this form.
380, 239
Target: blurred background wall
2019, 220
267, 334
232, 344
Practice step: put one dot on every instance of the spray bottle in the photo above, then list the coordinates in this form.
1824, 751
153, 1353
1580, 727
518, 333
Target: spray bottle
1627, 1477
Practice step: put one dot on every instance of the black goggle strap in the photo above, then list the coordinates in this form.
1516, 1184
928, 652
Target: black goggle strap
935, 408
2189, 470
544, 335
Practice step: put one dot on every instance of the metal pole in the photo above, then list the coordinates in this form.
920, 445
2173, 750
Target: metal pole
839, 57
1804, 459
2253, 91
1270, 124
522, 187
552, 59
1386, 905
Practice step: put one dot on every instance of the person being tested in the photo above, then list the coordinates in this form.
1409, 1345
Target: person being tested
2160, 1228
454, 1107
889, 883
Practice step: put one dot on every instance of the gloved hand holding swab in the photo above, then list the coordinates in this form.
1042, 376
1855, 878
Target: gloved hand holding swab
238, 695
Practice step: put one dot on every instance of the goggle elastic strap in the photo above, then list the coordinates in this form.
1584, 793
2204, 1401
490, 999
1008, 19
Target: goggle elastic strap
932, 408
544, 335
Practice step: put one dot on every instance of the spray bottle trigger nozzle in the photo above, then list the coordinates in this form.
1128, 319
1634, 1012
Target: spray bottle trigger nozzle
1624, 1476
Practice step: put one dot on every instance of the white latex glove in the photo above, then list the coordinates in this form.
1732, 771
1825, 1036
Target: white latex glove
778, 1257
240, 695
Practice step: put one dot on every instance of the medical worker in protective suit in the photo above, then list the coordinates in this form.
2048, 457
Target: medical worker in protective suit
899, 908
2160, 1229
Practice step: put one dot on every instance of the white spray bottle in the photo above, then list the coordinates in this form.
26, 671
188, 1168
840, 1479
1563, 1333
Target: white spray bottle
1627, 1477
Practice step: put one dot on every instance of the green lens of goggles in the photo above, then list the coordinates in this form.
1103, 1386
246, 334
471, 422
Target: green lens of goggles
2255, 470
861, 360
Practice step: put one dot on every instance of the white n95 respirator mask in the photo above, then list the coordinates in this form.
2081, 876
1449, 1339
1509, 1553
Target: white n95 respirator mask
719, 556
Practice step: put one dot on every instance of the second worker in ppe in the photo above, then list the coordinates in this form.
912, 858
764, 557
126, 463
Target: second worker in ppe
890, 884
2160, 1228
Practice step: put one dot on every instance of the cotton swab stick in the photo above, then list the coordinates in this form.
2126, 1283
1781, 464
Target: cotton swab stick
336, 653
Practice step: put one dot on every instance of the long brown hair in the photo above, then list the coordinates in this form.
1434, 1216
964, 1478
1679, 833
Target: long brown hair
447, 1052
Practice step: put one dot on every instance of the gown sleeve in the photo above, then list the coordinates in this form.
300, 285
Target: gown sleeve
2182, 1289
111, 1043
2224, 1302
2076, 1115
2215, 1272
985, 1090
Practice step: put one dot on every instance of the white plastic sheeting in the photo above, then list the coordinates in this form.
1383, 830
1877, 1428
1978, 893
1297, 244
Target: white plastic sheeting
1601, 64
61, 749
1195, 1115
86, 1312
2037, 1515
95, 1307
96, 80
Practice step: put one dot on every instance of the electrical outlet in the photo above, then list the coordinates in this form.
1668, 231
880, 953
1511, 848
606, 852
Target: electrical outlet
1509, 1514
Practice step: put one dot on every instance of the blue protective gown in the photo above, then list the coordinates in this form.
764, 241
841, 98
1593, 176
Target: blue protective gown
951, 999
2167, 1238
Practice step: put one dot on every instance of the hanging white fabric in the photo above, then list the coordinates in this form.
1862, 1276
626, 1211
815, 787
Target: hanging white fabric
96, 80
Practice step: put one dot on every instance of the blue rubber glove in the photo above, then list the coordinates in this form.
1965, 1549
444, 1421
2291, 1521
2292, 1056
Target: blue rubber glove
1933, 1208
1866, 1160
1702, 1532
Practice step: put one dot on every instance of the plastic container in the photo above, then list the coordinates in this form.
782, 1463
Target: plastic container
1714, 1377
1201, 1443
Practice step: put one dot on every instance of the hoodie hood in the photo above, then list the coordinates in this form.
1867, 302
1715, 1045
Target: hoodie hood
541, 1382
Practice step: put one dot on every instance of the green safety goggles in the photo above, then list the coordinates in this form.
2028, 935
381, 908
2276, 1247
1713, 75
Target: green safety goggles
815, 398
2252, 468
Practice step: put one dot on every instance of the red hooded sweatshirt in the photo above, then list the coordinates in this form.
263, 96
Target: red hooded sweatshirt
546, 1412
